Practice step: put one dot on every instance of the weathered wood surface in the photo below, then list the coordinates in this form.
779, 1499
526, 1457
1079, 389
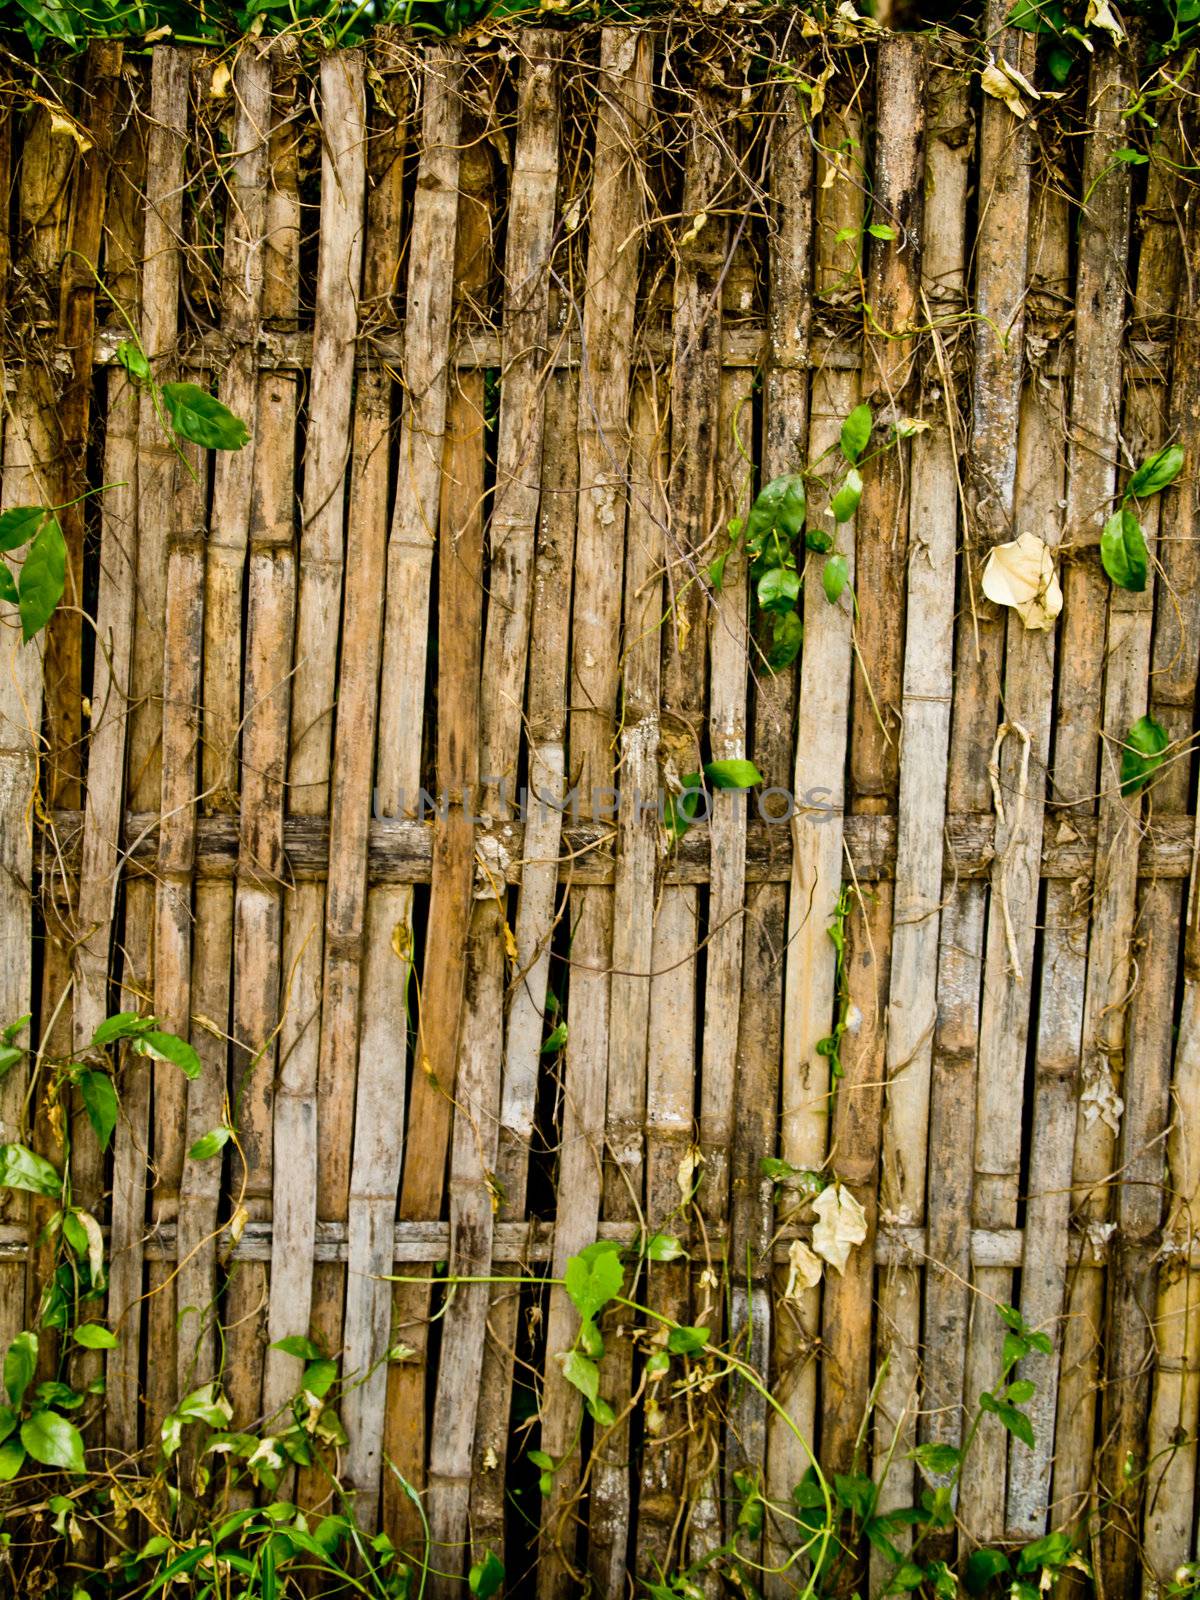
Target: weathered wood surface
362, 797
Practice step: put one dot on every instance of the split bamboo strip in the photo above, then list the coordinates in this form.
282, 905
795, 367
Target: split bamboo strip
1028, 702
434, 270
785, 430
1100, 292
367, 967
881, 690
666, 1116
155, 500
989, 1049
918, 973
538, 910
1134, 1025
819, 760
615, 212
458, 1455
290, 1115
1175, 1400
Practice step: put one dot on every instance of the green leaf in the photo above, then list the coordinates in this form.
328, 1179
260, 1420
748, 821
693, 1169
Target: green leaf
856, 1493
1021, 1391
75, 1233
133, 358
778, 588
319, 1377
122, 1025
938, 1458
592, 1284
40, 586
834, 578
982, 1567
12, 1456
1050, 1551
1153, 476
20, 1364
680, 809
1017, 1423
845, 502
168, 1047
1123, 550
1016, 1348
23, 1169
555, 1039
906, 1577
818, 541
8, 586
882, 230
540, 1459
486, 1576
732, 774
210, 1144
99, 1096
782, 504
94, 1336
10, 1054
199, 416
8, 1422
53, 1441
1037, 16
1061, 64
664, 1247
20, 524
685, 1341
591, 1340
582, 1374
856, 431
787, 637
1143, 754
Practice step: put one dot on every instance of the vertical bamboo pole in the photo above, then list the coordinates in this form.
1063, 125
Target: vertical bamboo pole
893, 294
1103, 972
294, 1189
361, 960
414, 529
1175, 1400
919, 984
785, 430
32, 475
538, 908
710, 1485
818, 765
1142, 947
455, 1455
155, 501
209, 582
692, 500
615, 212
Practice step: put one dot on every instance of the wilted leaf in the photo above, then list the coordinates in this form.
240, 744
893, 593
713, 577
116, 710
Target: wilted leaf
1003, 82
1100, 15
1021, 574
842, 1223
804, 1270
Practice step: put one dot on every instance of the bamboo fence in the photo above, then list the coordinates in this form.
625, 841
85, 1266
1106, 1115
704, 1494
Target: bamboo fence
517, 327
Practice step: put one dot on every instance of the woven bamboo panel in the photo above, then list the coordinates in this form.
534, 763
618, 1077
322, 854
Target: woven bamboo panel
346, 758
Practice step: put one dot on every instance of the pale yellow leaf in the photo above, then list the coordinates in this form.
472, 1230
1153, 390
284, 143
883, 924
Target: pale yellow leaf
1021, 574
1101, 15
841, 1224
67, 128
219, 87
804, 1270
1001, 87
